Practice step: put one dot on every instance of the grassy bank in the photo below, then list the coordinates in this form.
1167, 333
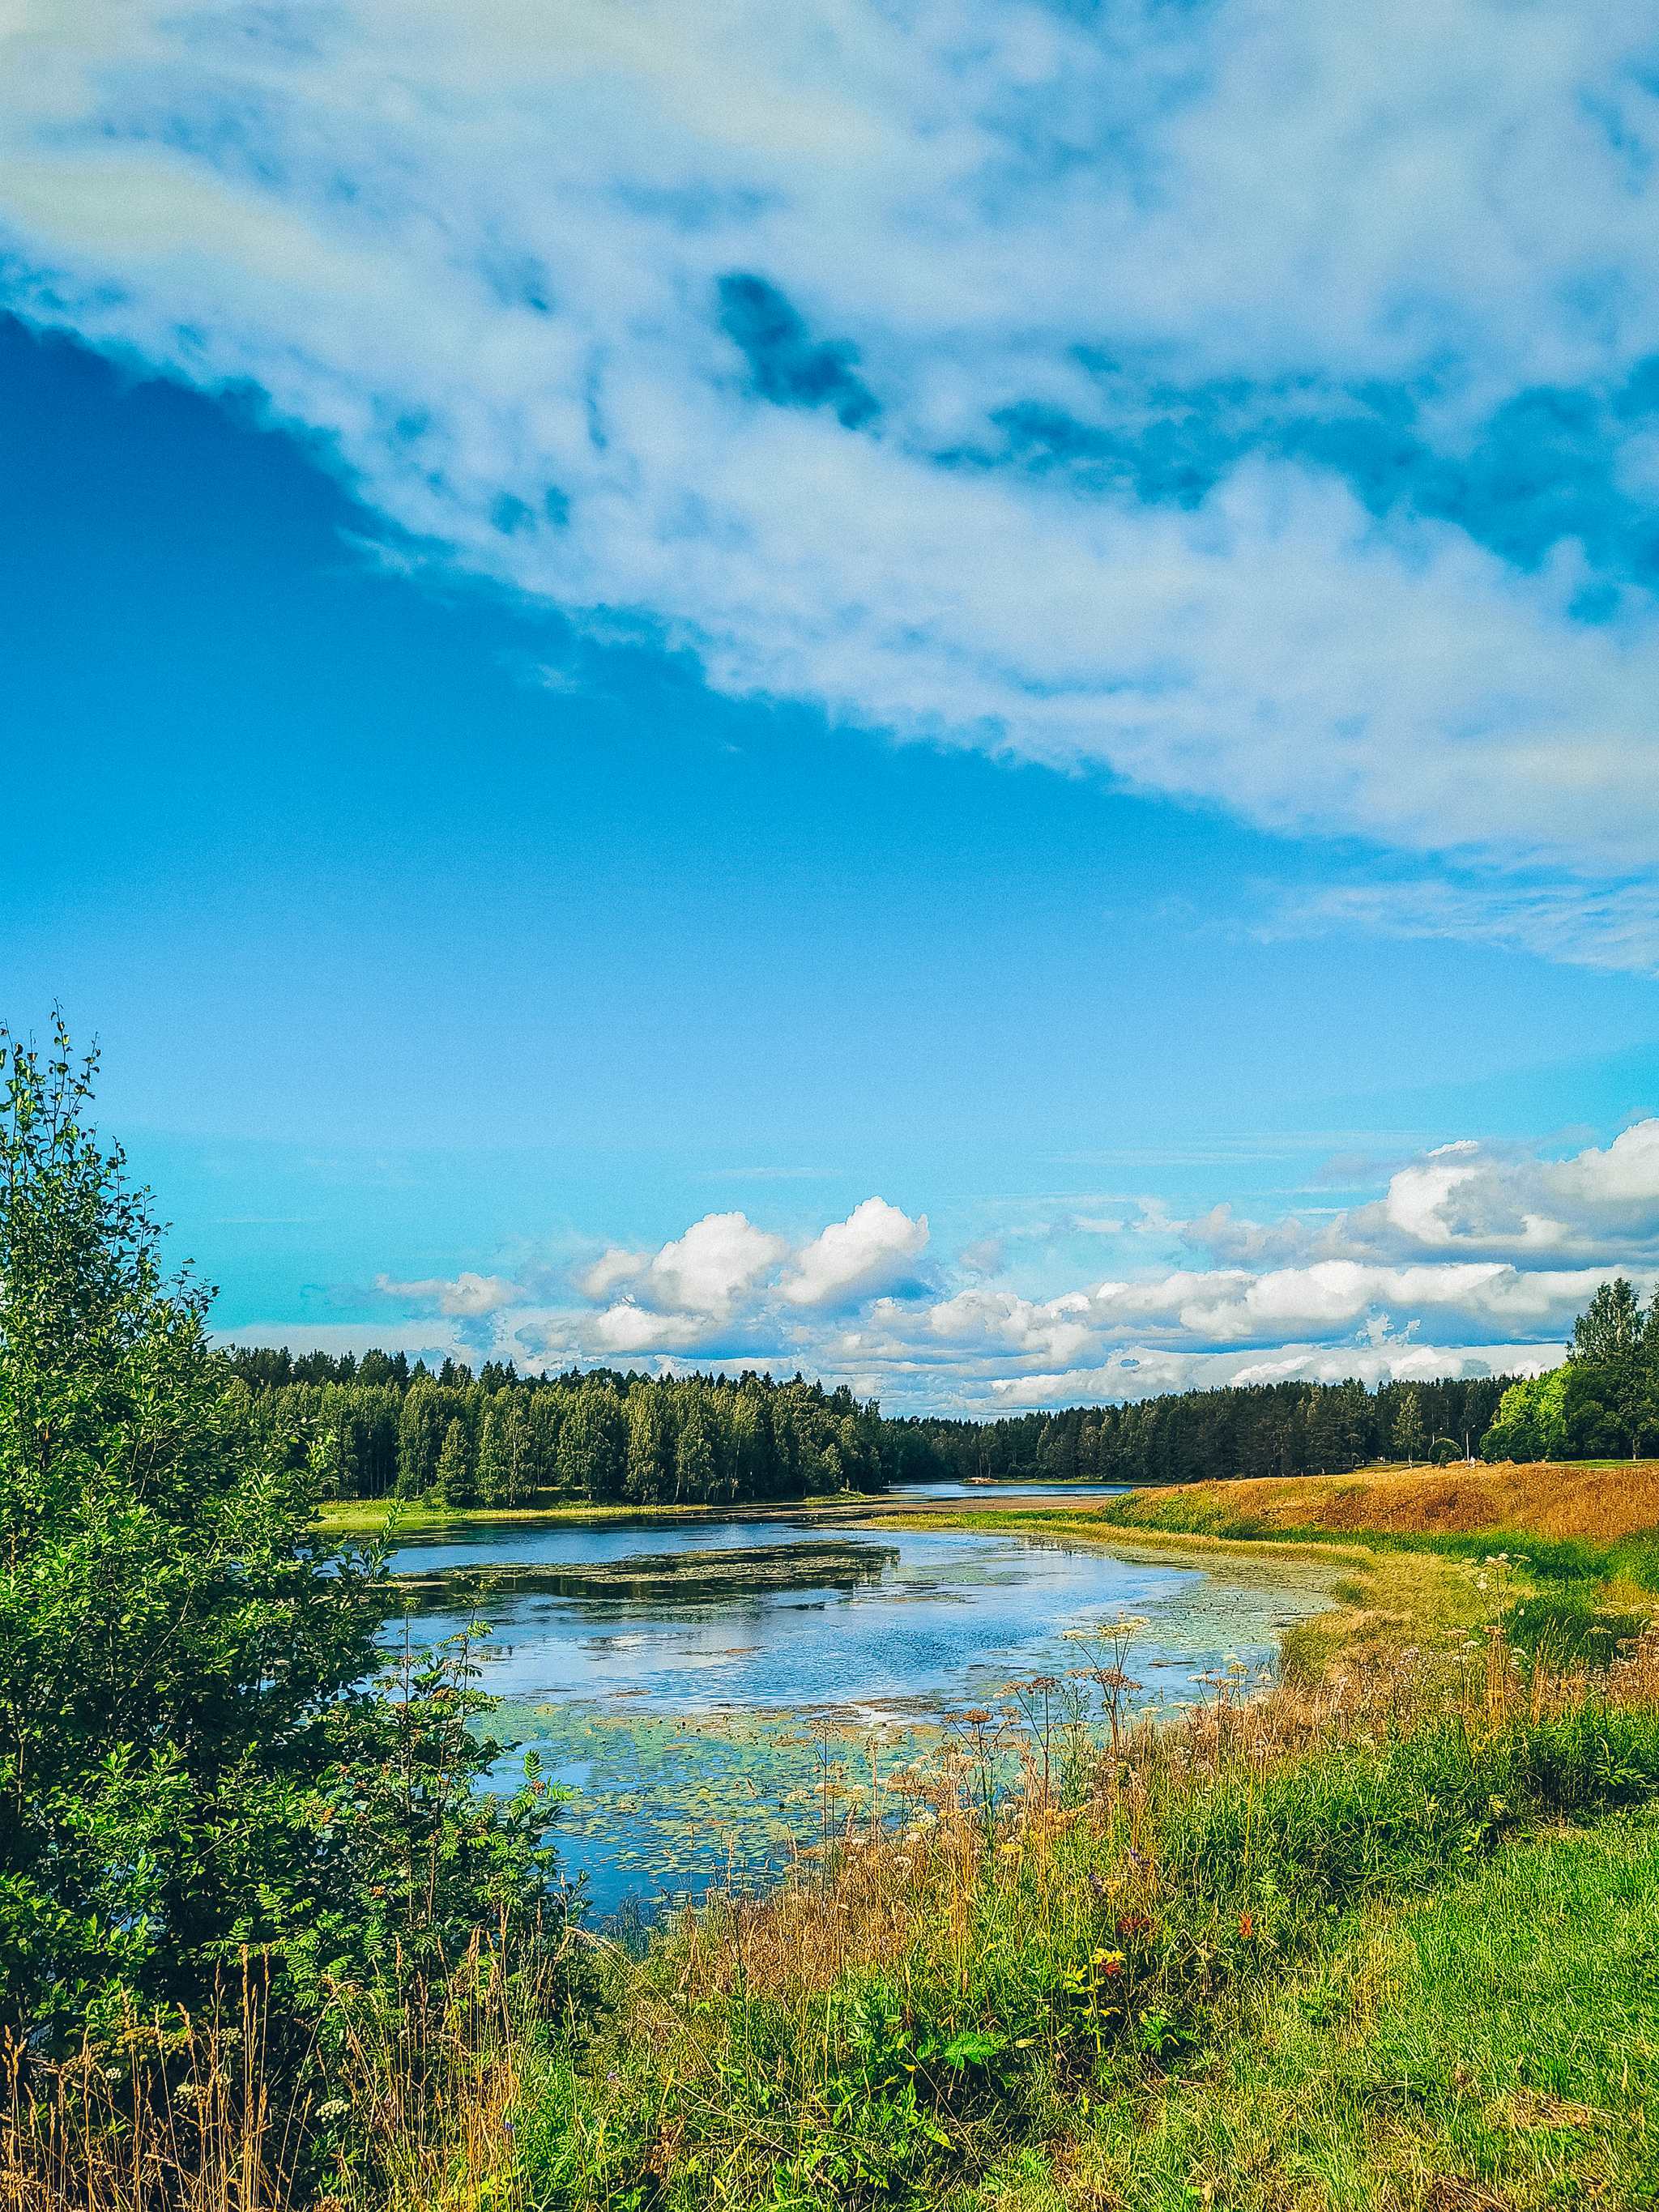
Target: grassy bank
1601, 1501
1389, 1946
1383, 1939
1386, 1943
409, 1517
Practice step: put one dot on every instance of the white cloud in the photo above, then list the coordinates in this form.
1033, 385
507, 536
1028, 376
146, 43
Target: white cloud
467, 1296
1150, 1373
986, 1257
1477, 1261
1568, 918
478, 247
876, 1246
705, 1272
1599, 1207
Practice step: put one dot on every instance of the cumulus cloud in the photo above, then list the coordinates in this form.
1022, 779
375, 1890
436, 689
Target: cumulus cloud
725, 1275
705, 1272
1136, 387
1597, 1207
877, 1245
1476, 1261
468, 1297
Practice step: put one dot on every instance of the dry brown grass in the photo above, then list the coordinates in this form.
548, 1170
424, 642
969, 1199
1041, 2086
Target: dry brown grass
174, 2115
180, 2115
1601, 1503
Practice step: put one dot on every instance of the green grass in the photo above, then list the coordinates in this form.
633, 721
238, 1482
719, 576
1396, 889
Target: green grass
1497, 2043
1311, 1981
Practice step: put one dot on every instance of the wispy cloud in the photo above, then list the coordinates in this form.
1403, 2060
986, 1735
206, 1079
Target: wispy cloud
1137, 386
467, 1297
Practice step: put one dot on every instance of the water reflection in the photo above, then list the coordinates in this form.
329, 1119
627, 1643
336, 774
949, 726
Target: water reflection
689, 1679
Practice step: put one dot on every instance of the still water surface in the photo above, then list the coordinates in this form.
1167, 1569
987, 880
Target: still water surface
694, 1682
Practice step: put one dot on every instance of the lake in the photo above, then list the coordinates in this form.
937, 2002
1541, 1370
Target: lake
714, 1691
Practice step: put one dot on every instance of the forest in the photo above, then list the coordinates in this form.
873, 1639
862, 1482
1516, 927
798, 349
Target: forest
1209, 1435
378, 1427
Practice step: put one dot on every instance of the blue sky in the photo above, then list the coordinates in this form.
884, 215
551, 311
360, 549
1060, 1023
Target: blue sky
930, 694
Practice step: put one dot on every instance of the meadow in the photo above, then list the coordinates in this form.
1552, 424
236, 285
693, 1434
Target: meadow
1386, 1935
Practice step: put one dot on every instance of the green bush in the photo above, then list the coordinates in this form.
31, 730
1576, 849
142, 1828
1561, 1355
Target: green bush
200, 1761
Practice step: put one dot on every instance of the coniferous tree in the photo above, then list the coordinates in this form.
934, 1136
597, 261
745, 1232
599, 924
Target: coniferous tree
454, 1483
493, 1478
1409, 1435
514, 1451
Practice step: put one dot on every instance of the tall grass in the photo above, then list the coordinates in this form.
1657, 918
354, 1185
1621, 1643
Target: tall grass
948, 1984
403, 2101
900, 2023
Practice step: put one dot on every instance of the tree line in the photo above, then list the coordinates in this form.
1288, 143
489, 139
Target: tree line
1213, 1436
1604, 1402
380, 1428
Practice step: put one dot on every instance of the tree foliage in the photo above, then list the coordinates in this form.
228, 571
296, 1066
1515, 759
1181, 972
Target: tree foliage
1603, 1403
200, 1754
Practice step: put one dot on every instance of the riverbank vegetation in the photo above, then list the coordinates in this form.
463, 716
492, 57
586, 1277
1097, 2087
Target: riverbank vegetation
1381, 1934
225, 1800
1387, 1942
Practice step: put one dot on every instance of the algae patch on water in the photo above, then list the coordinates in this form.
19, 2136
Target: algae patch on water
679, 1579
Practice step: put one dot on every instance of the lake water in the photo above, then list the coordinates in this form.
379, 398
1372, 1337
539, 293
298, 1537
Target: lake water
700, 1684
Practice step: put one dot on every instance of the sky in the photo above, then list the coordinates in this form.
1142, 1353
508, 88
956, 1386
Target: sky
961, 697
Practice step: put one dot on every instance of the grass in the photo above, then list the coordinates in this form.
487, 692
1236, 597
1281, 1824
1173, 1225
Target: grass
1390, 1942
1495, 2045
369, 1516
1601, 1501
1384, 1940
1093, 2003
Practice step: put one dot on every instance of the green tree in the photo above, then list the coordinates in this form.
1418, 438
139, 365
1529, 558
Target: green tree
1409, 1434
194, 1761
542, 1421
420, 1439
455, 1484
1327, 1441
1613, 1396
494, 1474
594, 1442
1609, 1331
515, 1450
754, 1451
650, 1475
696, 1467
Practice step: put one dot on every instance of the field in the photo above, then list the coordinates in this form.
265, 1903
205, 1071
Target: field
1601, 1501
